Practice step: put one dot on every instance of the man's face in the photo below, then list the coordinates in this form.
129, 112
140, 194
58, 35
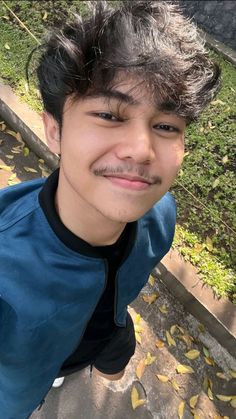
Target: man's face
119, 156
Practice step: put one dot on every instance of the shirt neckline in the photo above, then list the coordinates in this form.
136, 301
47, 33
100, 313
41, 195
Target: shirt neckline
47, 203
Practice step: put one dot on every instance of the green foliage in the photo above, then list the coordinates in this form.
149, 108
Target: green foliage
204, 256
205, 189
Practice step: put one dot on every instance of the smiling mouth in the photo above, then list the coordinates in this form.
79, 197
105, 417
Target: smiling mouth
129, 182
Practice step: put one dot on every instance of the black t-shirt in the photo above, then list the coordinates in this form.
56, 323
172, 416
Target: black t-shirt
101, 325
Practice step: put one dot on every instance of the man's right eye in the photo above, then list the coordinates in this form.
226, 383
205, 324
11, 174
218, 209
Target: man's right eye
107, 116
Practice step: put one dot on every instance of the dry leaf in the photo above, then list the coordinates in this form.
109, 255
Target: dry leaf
150, 359
135, 401
184, 369
225, 159
175, 385
217, 102
163, 309
201, 328
9, 156
232, 373
209, 244
221, 375
196, 415
170, 340
6, 168
181, 410
30, 169
150, 298
13, 176
173, 329
187, 339
42, 162
3, 127
193, 401
233, 403
151, 280
223, 398
26, 151
45, 16
209, 361
193, 354
138, 328
210, 383
159, 344
162, 378
209, 393
138, 338
140, 369
7, 46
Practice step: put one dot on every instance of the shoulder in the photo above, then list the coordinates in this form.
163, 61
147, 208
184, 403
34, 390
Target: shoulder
158, 224
19, 200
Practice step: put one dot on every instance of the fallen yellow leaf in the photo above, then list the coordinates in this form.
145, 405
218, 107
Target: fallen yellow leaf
175, 385
196, 415
193, 401
26, 151
181, 410
13, 176
232, 373
137, 319
223, 398
135, 401
138, 328
150, 298
162, 378
210, 383
209, 393
159, 344
187, 339
205, 383
193, 354
209, 361
221, 375
184, 369
150, 359
3, 127
140, 368
173, 329
30, 169
233, 403
170, 340
6, 168
9, 156
151, 280
6, 46
163, 309
138, 337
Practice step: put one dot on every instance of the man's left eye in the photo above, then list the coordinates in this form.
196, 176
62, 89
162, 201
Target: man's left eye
166, 127
107, 116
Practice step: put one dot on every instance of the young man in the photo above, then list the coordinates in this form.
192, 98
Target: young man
118, 90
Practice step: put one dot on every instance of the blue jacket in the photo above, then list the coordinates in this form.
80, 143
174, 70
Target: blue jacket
48, 292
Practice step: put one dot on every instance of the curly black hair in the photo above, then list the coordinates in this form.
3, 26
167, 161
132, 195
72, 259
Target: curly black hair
149, 40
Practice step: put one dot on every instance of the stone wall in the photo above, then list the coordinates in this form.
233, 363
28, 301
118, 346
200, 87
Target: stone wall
218, 18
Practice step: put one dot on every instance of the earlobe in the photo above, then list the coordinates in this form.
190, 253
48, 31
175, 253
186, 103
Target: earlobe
52, 132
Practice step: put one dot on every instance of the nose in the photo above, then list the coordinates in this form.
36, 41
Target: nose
137, 144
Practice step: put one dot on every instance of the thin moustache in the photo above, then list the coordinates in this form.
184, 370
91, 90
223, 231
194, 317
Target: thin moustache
152, 180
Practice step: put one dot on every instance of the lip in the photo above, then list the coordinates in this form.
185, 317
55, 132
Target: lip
135, 183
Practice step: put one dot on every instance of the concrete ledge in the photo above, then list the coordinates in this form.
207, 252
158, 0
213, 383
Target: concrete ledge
228, 53
218, 315
22, 119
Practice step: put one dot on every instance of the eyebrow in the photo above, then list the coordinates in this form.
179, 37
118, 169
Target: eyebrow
166, 106
116, 95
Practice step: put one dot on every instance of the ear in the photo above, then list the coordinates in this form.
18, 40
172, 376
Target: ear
52, 132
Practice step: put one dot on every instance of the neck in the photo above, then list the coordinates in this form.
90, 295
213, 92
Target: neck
84, 220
